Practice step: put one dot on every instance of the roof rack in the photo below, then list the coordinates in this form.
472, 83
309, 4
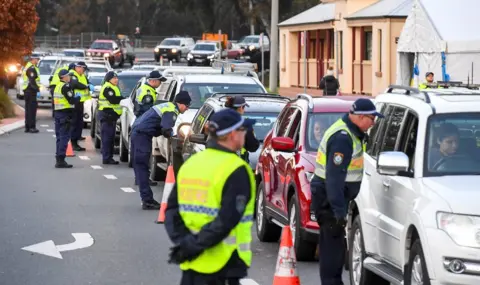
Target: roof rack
235, 65
203, 70
409, 91
222, 95
306, 97
448, 84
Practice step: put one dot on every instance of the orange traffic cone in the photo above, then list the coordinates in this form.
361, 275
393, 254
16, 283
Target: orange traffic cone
167, 189
70, 150
286, 269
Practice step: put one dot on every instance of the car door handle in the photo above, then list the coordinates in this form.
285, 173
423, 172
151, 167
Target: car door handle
386, 184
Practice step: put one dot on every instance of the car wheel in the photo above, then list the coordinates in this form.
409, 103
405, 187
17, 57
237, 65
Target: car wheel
356, 255
156, 173
178, 57
189, 64
305, 250
131, 61
123, 150
157, 58
266, 230
416, 272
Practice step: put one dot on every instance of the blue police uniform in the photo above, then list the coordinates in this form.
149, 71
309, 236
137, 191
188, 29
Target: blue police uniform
108, 114
332, 194
157, 121
64, 101
31, 89
235, 195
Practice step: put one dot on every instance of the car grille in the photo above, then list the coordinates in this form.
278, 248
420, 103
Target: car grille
164, 50
200, 56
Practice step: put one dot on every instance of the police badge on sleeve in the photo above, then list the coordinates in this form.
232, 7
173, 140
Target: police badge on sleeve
337, 158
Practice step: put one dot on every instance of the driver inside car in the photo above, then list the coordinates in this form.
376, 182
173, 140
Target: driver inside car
448, 139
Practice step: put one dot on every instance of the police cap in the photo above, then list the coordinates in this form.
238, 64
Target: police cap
364, 106
82, 64
156, 75
183, 98
111, 74
63, 73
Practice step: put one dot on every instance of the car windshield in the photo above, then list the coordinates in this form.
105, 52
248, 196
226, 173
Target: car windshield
97, 69
318, 123
204, 47
199, 92
170, 43
127, 83
46, 67
263, 124
102, 45
95, 80
453, 145
74, 53
251, 40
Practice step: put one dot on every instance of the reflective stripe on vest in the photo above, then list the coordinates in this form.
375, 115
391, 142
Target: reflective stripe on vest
59, 101
355, 168
146, 89
55, 77
165, 107
104, 103
85, 92
200, 185
26, 81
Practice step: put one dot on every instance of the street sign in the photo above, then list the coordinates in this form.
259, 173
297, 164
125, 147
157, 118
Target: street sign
48, 248
302, 38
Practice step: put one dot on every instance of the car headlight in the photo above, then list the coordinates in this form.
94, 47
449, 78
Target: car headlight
12, 68
252, 47
211, 56
184, 130
464, 230
89, 53
156, 50
189, 56
174, 50
106, 54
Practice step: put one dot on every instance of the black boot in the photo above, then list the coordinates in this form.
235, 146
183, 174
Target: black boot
61, 163
77, 147
110, 161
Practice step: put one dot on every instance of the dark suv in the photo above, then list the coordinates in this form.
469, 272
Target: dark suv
262, 107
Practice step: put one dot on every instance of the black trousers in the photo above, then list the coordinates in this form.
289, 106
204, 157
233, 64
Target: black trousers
190, 277
31, 105
332, 252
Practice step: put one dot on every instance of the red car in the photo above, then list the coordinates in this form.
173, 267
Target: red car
114, 52
286, 166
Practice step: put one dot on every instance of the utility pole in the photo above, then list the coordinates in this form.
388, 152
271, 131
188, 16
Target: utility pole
274, 48
250, 10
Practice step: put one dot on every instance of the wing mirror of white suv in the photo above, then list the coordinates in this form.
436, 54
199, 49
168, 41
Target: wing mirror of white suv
392, 162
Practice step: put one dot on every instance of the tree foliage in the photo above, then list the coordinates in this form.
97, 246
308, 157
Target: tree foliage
18, 22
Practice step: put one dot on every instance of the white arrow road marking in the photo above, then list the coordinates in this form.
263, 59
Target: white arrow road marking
110, 176
248, 281
127, 189
96, 167
84, 157
44, 126
49, 130
82, 240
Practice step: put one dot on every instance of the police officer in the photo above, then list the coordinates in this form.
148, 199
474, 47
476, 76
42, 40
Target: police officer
147, 94
338, 174
80, 85
109, 112
210, 210
239, 104
64, 100
31, 89
429, 81
159, 120
53, 81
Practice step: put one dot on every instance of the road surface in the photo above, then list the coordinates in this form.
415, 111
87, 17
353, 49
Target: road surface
40, 203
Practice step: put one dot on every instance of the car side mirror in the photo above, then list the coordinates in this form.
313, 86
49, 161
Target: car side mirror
392, 162
198, 138
124, 103
284, 144
183, 45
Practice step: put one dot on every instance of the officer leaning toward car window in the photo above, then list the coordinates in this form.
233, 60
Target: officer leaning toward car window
108, 114
338, 174
147, 93
31, 89
64, 101
210, 210
159, 120
80, 85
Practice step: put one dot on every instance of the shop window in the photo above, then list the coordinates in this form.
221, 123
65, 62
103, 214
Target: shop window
368, 46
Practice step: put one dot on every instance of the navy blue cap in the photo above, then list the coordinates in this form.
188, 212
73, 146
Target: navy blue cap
364, 106
82, 64
428, 73
71, 66
183, 98
227, 121
111, 74
239, 101
156, 75
63, 73
34, 56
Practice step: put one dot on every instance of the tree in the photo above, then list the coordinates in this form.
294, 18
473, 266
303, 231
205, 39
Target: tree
73, 18
18, 22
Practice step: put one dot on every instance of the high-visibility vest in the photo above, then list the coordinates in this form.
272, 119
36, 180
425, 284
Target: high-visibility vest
85, 92
55, 77
146, 90
104, 103
59, 101
200, 185
26, 81
165, 107
355, 168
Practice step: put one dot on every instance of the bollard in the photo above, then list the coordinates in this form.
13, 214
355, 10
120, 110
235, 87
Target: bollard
171, 63
161, 60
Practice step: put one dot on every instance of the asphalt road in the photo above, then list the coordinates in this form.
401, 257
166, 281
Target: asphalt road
40, 203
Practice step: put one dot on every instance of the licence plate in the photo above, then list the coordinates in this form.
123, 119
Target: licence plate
164, 54
198, 60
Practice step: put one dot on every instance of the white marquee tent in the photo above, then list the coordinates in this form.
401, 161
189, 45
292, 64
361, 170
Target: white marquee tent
434, 27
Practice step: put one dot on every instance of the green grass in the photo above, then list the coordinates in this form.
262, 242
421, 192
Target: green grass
7, 109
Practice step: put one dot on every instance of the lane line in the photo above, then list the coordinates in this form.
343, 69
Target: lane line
128, 190
44, 126
248, 281
84, 157
96, 167
49, 130
110, 176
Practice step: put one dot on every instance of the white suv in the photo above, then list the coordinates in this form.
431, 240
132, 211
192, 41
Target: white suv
416, 219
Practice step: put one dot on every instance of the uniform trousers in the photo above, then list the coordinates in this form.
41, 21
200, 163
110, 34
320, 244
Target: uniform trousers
141, 146
63, 122
31, 106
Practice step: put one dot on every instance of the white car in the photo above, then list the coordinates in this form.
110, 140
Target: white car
96, 79
173, 48
74, 52
416, 219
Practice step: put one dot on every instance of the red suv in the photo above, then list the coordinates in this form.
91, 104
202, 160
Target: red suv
286, 165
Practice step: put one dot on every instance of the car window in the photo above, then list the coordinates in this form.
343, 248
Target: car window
133, 94
317, 124
98, 69
200, 119
172, 91
74, 53
127, 83
375, 134
393, 129
95, 80
408, 138
292, 130
284, 122
168, 42
264, 122
102, 45
46, 67
162, 90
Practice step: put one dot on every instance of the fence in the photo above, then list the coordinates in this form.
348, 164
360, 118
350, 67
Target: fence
84, 40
